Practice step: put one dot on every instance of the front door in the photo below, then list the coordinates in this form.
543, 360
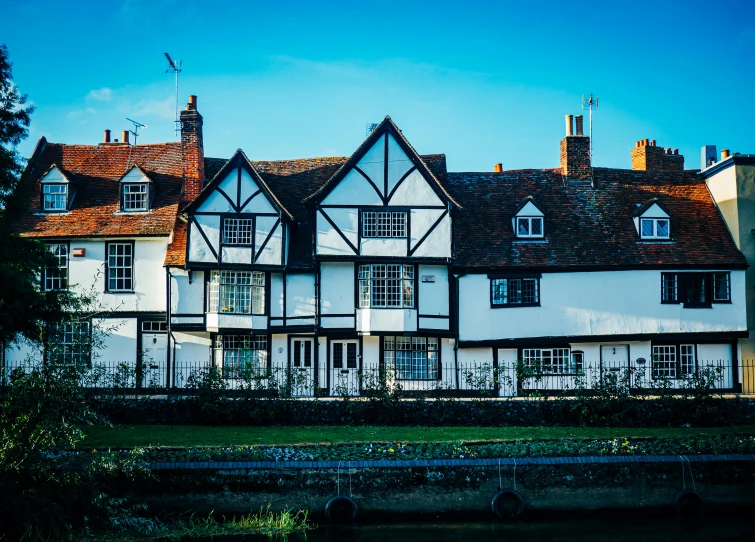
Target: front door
154, 359
302, 367
614, 358
344, 368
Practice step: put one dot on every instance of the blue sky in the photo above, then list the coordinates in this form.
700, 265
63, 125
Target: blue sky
482, 81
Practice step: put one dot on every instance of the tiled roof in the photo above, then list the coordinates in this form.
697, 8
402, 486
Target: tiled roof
175, 256
96, 170
587, 227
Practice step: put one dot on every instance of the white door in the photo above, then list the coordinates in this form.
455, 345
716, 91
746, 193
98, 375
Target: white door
344, 368
154, 359
614, 358
302, 367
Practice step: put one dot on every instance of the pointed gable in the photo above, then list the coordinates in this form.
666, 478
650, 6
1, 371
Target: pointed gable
384, 170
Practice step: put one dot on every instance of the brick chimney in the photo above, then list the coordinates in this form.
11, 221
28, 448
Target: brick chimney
647, 156
575, 152
192, 151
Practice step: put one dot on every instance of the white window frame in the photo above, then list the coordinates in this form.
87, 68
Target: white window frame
237, 292
528, 220
386, 286
69, 343
54, 200
131, 204
238, 231
664, 360
412, 358
384, 224
241, 355
654, 226
120, 272
557, 361
56, 278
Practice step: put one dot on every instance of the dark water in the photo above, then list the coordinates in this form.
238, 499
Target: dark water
740, 528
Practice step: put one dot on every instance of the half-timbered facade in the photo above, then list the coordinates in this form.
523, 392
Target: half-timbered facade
384, 265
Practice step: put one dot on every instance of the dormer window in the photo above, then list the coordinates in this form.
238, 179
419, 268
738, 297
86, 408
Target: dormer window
55, 197
135, 197
529, 226
654, 228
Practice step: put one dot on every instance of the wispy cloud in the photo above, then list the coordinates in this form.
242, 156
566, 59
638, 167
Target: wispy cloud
162, 109
103, 94
79, 113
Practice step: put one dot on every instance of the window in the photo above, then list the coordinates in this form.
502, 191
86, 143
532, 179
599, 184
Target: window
155, 326
529, 226
670, 361
695, 290
54, 197
134, 197
69, 343
237, 231
241, 355
237, 292
120, 267
386, 285
654, 228
383, 224
577, 361
56, 277
412, 358
515, 292
552, 360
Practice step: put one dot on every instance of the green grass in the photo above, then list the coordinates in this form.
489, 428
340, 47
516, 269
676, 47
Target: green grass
191, 435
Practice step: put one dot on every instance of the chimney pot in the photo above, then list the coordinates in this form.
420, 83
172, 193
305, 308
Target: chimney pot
107, 136
569, 125
124, 136
645, 142
725, 154
652, 142
498, 168
676, 151
192, 103
578, 119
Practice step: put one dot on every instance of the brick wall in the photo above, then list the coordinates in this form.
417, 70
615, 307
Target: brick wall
192, 147
575, 157
646, 156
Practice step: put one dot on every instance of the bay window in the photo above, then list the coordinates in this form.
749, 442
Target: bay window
386, 286
237, 292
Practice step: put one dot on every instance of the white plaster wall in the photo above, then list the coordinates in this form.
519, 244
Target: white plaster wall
599, 303
337, 322
300, 294
22, 352
279, 351
438, 243
723, 188
433, 296
321, 343
434, 323
354, 189
271, 255
372, 163
399, 320
192, 351
276, 294
475, 368
371, 353
415, 190
216, 321
236, 255
422, 220
217, 203
337, 288
116, 338
328, 241
383, 247
398, 163
199, 251
185, 297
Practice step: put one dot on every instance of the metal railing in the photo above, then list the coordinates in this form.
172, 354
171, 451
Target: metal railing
460, 380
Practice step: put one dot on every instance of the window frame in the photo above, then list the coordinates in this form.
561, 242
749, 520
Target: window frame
215, 291
147, 197
85, 354
64, 279
226, 219
678, 360
654, 221
569, 367
508, 305
402, 281
432, 374
682, 284
364, 223
233, 371
108, 267
529, 219
66, 195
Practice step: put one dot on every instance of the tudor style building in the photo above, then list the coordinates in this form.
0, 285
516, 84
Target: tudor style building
340, 267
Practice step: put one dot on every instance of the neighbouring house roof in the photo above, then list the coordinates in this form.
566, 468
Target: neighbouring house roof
587, 227
96, 170
292, 181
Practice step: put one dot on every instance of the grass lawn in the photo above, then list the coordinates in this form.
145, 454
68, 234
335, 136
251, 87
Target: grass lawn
192, 435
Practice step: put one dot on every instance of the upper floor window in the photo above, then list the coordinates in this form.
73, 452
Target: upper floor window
654, 228
696, 290
56, 277
241, 356
383, 224
238, 231
120, 267
386, 285
55, 197
69, 343
515, 292
529, 226
135, 197
237, 292
412, 358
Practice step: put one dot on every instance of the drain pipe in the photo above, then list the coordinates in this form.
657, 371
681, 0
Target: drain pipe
456, 326
171, 358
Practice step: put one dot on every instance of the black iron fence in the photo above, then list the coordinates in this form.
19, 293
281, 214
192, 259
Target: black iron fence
517, 379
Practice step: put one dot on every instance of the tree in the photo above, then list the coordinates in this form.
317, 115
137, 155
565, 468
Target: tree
24, 308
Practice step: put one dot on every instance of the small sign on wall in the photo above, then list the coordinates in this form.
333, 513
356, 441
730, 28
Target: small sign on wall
79, 252
428, 278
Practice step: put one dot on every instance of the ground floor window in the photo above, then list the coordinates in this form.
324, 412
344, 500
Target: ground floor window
674, 361
69, 343
551, 360
412, 358
241, 356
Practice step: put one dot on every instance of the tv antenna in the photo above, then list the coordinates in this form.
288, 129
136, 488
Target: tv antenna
135, 131
175, 67
590, 102
371, 127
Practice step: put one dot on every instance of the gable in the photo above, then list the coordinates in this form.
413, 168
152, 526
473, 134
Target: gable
235, 191
654, 211
54, 175
529, 209
135, 175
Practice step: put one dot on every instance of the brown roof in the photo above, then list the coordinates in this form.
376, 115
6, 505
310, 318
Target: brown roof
96, 170
175, 256
587, 227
